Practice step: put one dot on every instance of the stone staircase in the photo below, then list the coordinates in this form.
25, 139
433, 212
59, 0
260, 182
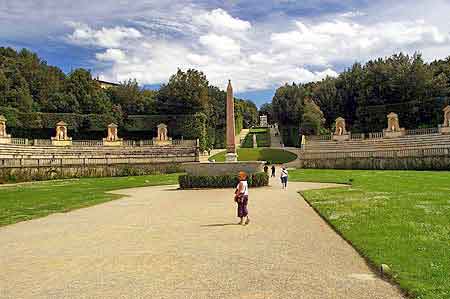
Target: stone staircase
240, 138
275, 139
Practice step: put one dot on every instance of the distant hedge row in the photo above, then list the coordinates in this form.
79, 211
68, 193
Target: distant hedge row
225, 181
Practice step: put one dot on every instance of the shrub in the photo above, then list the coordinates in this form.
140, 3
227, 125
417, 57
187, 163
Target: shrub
224, 181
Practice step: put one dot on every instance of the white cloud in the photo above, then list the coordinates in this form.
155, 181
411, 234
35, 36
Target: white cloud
105, 37
254, 55
114, 55
222, 46
219, 20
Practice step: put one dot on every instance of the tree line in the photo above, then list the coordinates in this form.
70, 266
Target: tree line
29, 84
364, 94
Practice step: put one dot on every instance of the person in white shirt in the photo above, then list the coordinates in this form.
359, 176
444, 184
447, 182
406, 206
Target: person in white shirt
241, 198
284, 177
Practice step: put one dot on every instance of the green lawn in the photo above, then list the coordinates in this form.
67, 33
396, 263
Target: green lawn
262, 138
398, 218
273, 156
32, 200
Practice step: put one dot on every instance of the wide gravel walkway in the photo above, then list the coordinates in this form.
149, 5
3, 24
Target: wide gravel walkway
165, 243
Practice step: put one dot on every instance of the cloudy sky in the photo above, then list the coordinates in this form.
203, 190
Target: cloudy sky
259, 44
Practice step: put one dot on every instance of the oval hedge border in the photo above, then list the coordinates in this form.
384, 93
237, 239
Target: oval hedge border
259, 179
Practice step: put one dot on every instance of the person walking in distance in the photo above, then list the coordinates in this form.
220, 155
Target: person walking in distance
284, 177
241, 198
273, 171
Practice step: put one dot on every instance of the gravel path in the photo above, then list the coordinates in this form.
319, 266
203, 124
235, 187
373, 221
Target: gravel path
165, 243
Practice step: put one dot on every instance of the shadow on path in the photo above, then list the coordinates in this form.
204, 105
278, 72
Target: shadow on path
219, 224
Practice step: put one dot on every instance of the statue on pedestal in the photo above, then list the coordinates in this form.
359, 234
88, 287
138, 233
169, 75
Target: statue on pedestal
393, 130
162, 138
341, 134
112, 139
445, 127
61, 138
255, 143
4, 138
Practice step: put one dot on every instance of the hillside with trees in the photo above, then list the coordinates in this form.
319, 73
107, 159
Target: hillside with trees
364, 95
34, 95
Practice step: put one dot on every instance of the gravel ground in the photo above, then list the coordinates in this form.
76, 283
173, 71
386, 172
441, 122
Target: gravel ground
163, 243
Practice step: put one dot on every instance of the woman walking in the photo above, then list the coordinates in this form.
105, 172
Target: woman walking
284, 177
241, 198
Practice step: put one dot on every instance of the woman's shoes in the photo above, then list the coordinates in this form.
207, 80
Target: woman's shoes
247, 221
241, 222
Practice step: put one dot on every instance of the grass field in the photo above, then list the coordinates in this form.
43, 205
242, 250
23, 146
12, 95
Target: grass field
32, 200
273, 156
262, 138
398, 218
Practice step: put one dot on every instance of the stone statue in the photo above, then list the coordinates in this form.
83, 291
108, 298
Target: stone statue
4, 138
340, 127
393, 130
393, 124
61, 138
446, 116
340, 133
163, 136
112, 133
445, 128
162, 132
112, 139
2, 129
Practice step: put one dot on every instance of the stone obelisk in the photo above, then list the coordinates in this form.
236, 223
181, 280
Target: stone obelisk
231, 155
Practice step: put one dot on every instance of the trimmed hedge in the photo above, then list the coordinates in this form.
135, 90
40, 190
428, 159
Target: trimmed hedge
224, 181
262, 138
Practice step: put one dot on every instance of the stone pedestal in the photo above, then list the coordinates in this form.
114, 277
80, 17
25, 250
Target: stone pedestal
340, 138
5, 139
56, 142
231, 157
162, 142
255, 143
444, 130
394, 134
112, 143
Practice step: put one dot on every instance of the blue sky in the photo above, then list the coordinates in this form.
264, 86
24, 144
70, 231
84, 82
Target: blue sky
258, 44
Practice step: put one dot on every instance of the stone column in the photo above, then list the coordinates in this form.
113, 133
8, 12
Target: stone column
231, 155
255, 143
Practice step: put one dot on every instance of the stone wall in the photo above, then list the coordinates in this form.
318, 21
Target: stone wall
28, 163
